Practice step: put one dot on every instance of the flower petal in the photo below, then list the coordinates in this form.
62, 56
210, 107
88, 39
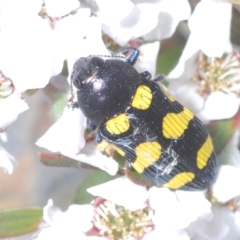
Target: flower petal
91, 155
122, 192
170, 207
226, 185
210, 27
186, 64
148, 57
169, 17
187, 95
136, 23
80, 217
219, 106
69, 33
161, 233
222, 226
32, 68
67, 134
10, 108
56, 8
124, 7
51, 213
76, 217
91, 45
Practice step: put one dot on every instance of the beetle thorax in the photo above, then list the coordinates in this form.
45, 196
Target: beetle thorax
109, 92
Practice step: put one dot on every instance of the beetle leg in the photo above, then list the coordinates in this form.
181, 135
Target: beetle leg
90, 125
73, 105
99, 137
159, 78
129, 166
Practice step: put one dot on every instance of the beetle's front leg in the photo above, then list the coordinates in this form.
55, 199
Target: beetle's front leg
90, 125
73, 105
159, 78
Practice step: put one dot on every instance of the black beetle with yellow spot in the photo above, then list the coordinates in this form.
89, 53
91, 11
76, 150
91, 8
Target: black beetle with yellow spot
159, 137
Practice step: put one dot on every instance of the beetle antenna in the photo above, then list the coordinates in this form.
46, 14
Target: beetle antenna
131, 59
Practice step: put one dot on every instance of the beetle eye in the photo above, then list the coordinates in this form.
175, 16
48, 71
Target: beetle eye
77, 83
96, 61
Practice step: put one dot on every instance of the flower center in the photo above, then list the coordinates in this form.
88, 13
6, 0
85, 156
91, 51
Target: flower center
116, 223
6, 86
218, 74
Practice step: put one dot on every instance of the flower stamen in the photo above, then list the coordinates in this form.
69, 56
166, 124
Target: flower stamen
116, 222
218, 74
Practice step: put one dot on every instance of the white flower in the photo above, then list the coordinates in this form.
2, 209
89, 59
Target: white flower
219, 105
26, 45
148, 57
225, 193
67, 134
167, 235
68, 129
215, 228
126, 20
226, 185
168, 18
71, 224
211, 32
10, 108
170, 207
7, 161
210, 29
210, 96
56, 8
67, 137
32, 51
92, 44
122, 192
69, 35
172, 213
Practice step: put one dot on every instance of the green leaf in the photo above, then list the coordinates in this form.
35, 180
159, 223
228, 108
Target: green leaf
168, 60
14, 222
59, 103
65, 72
57, 93
97, 177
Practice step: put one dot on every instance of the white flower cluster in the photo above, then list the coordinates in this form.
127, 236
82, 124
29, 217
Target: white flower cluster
175, 215
32, 50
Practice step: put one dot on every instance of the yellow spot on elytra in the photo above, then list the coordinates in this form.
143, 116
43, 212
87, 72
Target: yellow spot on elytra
106, 147
147, 153
168, 95
109, 149
118, 124
204, 153
142, 98
120, 151
180, 180
174, 124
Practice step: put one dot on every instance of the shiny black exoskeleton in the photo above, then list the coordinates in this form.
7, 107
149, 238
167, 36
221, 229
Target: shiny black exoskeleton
159, 137
105, 87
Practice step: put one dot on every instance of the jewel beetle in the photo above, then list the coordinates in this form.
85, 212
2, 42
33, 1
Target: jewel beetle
159, 137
